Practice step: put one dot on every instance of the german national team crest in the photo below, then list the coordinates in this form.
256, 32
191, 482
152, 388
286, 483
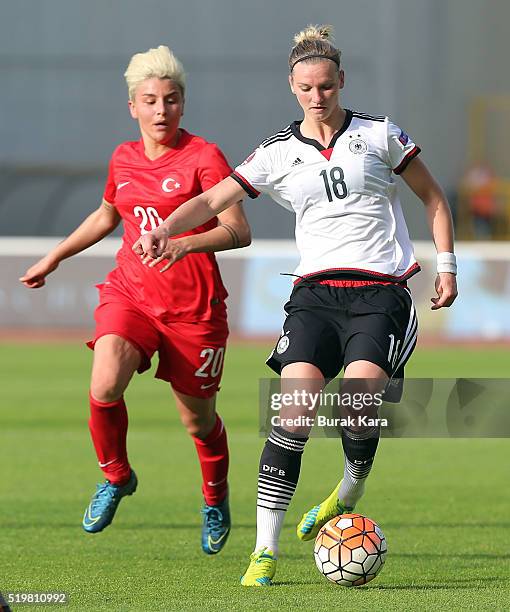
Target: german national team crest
283, 345
358, 146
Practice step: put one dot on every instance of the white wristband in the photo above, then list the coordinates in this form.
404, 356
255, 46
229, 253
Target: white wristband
446, 262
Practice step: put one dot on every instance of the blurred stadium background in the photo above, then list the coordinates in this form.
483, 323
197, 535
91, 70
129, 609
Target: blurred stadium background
438, 68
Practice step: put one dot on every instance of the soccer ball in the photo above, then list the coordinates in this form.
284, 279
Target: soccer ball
350, 550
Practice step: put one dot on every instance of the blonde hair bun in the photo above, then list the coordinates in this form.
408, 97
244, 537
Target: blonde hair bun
314, 32
313, 44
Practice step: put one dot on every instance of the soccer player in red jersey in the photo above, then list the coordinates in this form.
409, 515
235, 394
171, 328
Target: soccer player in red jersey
181, 313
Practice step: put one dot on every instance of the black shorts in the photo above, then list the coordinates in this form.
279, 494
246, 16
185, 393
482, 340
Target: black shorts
330, 327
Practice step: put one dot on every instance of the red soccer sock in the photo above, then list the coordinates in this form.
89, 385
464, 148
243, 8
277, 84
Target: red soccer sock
108, 426
213, 457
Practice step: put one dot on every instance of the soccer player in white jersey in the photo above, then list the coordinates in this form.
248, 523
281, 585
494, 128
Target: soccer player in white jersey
350, 307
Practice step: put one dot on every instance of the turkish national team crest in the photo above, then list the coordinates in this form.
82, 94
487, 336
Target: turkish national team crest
170, 184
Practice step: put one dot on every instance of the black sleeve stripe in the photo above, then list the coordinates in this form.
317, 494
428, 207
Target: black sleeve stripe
251, 191
283, 132
369, 117
283, 137
278, 134
405, 162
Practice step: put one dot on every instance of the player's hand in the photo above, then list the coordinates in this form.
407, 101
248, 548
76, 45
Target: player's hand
35, 276
174, 251
151, 245
446, 289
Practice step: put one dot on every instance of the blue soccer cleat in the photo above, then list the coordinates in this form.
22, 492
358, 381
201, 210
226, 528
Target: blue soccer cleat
101, 510
216, 527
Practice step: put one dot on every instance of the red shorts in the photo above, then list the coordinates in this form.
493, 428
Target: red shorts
190, 354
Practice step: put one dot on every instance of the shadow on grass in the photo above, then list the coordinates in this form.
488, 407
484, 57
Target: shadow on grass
420, 555
294, 583
457, 584
118, 526
425, 556
177, 526
24, 524
439, 525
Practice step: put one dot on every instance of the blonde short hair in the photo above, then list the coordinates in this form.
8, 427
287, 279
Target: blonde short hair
160, 63
313, 44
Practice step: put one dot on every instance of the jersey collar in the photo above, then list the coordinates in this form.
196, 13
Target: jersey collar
184, 138
296, 130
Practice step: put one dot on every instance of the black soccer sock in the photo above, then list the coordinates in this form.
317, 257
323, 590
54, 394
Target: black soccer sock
359, 452
280, 464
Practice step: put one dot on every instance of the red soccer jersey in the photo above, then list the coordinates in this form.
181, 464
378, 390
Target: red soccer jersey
145, 192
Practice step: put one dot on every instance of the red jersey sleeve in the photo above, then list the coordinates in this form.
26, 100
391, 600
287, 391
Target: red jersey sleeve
110, 188
212, 167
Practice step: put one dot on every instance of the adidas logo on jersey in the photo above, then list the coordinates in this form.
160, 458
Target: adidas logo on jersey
297, 161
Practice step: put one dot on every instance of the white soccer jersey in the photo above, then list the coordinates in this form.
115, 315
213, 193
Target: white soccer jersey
349, 220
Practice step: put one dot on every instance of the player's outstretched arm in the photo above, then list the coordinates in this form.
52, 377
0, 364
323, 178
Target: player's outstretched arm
421, 181
189, 215
95, 227
232, 232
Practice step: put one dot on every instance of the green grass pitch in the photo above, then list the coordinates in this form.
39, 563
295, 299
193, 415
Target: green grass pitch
442, 503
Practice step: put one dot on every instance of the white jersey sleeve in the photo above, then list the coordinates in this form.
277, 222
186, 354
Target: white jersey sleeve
254, 173
262, 171
401, 149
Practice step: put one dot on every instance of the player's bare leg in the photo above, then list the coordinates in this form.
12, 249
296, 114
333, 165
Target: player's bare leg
359, 443
280, 465
115, 361
199, 417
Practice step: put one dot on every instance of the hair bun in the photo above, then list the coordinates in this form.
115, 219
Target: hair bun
314, 32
